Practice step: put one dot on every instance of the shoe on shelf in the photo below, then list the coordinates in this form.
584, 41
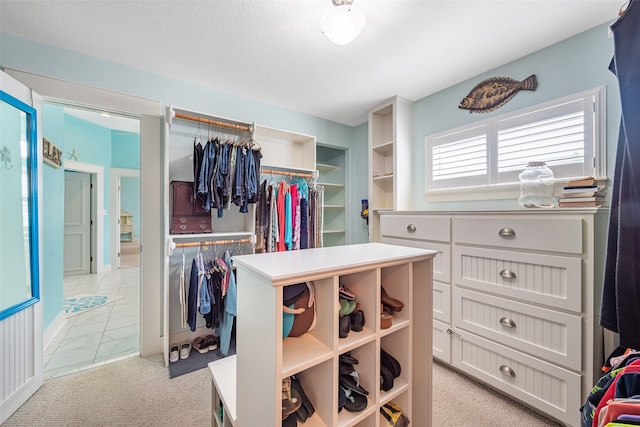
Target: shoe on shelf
346, 293
185, 349
357, 320
344, 326
391, 363
291, 400
386, 319
391, 303
174, 353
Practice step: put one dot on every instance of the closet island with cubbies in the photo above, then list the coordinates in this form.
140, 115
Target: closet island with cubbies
264, 358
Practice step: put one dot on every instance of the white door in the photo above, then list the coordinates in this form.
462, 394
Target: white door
21, 362
77, 223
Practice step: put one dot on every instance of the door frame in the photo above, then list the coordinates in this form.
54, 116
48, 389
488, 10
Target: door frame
115, 175
151, 114
96, 174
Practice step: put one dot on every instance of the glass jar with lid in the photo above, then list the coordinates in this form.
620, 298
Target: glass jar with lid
537, 186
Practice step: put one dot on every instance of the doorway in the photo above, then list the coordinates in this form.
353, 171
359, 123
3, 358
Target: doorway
106, 327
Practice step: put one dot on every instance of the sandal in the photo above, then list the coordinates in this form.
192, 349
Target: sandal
201, 345
346, 293
354, 402
391, 303
211, 341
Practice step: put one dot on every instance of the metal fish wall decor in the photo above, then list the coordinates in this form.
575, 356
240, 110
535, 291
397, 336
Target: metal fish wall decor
493, 93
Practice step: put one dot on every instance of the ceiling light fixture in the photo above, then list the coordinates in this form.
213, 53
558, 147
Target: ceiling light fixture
105, 114
343, 23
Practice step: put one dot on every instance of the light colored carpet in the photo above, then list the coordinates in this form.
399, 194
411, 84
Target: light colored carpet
138, 392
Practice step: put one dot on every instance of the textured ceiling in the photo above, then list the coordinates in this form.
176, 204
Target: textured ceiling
273, 50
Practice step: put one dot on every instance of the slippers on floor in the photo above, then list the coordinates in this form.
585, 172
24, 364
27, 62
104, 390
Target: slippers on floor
174, 353
211, 341
201, 345
185, 349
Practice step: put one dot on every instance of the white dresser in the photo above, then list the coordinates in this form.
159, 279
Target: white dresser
516, 298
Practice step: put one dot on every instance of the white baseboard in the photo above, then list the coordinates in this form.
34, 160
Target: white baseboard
53, 328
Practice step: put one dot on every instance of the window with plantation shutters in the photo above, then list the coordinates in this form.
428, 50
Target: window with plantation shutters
564, 134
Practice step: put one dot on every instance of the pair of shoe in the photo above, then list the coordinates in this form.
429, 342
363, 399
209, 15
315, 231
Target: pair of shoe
179, 351
203, 345
352, 322
355, 396
389, 370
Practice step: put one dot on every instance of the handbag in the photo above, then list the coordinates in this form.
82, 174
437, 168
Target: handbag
301, 308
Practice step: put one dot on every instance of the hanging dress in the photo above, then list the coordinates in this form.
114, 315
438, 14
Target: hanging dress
621, 288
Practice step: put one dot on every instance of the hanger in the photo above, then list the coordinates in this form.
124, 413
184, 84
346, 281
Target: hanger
623, 8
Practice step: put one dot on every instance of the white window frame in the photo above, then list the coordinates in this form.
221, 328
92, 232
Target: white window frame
488, 187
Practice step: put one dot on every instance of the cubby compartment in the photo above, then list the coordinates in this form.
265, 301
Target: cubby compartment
318, 386
394, 344
363, 286
368, 374
403, 402
314, 346
395, 281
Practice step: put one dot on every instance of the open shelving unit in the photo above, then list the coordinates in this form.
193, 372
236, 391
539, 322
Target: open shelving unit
405, 273
331, 166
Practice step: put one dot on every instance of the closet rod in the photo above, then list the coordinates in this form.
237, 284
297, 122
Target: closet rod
246, 128
214, 242
289, 174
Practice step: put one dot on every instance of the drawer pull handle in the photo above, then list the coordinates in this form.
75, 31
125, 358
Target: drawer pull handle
183, 220
509, 323
411, 228
508, 274
183, 227
202, 226
507, 232
507, 371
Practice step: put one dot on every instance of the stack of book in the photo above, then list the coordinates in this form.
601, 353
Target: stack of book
584, 192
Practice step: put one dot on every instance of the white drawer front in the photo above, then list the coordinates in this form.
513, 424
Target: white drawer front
550, 280
545, 386
441, 262
540, 332
442, 302
441, 341
426, 227
551, 234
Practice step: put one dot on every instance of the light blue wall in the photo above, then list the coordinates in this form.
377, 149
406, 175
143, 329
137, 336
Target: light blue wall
571, 66
53, 208
125, 150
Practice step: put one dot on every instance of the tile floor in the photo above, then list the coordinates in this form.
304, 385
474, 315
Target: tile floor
107, 333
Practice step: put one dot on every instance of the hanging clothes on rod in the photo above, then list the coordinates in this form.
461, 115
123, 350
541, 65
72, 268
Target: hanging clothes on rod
284, 220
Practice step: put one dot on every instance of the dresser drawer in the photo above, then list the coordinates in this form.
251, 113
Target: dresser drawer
441, 262
424, 227
545, 386
551, 335
442, 302
191, 224
550, 280
544, 234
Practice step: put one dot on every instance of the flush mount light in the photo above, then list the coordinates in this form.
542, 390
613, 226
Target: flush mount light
343, 22
105, 114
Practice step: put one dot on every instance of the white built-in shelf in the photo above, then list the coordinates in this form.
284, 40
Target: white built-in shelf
386, 148
323, 167
331, 187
